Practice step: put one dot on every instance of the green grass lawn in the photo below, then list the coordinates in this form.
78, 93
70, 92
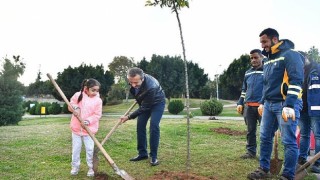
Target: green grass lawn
40, 148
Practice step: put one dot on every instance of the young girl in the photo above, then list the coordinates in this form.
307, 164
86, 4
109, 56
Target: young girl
88, 105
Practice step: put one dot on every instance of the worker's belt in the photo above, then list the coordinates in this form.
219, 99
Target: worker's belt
252, 104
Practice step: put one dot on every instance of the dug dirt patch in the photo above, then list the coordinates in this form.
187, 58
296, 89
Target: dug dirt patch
101, 176
228, 131
166, 175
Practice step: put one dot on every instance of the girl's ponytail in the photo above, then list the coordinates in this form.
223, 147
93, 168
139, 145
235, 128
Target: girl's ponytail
82, 88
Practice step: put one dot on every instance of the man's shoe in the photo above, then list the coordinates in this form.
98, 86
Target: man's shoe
248, 156
301, 161
139, 158
154, 162
90, 172
74, 171
315, 169
282, 177
259, 174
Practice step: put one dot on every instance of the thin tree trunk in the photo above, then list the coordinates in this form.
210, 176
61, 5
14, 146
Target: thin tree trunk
187, 90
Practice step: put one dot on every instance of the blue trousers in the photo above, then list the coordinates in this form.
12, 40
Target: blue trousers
271, 121
308, 123
154, 129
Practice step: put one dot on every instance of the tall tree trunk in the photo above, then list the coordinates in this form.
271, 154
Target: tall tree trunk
187, 89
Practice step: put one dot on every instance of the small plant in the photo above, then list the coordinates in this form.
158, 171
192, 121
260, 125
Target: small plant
211, 107
175, 106
32, 109
191, 115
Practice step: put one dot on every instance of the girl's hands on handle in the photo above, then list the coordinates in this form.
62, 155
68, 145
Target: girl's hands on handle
76, 111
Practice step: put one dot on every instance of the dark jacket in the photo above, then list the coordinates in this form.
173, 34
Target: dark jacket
311, 90
150, 93
283, 74
252, 86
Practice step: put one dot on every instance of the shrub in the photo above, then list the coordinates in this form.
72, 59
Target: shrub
211, 107
26, 105
55, 108
175, 106
65, 109
32, 110
44, 104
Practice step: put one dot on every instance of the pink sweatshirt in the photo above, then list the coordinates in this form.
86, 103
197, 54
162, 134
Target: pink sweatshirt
91, 110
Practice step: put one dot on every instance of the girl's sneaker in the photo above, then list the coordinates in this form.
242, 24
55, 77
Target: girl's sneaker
74, 171
90, 172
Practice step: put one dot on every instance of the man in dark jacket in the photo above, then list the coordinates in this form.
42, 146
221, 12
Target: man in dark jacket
281, 102
251, 94
151, 99
310, 114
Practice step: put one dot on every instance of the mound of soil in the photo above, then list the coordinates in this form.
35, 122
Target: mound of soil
228, 131
101, 176
166, 175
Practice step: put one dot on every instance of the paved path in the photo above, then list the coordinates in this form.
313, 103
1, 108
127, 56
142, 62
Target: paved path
166, 116
28, 116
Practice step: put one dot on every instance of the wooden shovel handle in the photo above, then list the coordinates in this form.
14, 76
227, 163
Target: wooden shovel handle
111, 162
118, 123
275, 146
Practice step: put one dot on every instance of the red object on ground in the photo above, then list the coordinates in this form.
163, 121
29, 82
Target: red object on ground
312, 140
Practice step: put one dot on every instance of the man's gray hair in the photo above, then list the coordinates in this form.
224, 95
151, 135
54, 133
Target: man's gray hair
132, 72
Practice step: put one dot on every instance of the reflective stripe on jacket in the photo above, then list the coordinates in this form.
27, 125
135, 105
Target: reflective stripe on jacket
252, 86
313, 92
283, 74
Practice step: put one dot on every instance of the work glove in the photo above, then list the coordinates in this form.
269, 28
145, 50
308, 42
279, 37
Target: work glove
240, 109
86, 122
287, 113
260, 109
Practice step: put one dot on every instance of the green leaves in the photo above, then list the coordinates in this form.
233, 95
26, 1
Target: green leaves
173, 4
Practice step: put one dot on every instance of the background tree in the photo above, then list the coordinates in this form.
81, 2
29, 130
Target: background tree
11, 110
208, 91
143, 64
176, 5
168, 71
119, 67
39, 88
198, 79
230, 81
71, 78
313, 53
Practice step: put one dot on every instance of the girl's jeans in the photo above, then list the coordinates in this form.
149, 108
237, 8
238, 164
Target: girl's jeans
76, 149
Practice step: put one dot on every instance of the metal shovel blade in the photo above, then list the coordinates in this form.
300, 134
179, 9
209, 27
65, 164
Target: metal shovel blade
275, 166
124, 175
301, 175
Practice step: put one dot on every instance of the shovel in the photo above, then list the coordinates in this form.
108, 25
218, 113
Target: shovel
96, 150
118, 171
275, 163
301, 172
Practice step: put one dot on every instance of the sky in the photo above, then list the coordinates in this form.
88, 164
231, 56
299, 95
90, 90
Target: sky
51, 35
